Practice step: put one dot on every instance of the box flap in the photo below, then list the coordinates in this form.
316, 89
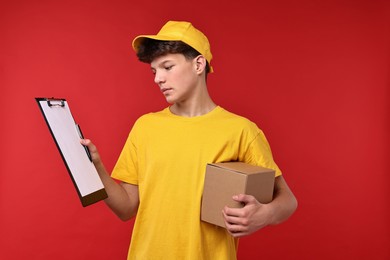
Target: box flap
241, 167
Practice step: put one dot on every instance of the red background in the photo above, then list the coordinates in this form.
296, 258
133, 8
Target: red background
314, 75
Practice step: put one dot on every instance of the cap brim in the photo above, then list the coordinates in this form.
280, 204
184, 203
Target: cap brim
137, 40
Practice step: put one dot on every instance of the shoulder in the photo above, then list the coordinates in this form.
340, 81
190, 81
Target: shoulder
237, 119
150, 118
146, 123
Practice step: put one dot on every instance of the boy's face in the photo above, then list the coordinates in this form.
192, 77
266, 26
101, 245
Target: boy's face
176, 77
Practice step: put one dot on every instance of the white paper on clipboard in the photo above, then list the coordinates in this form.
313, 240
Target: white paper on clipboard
66, 136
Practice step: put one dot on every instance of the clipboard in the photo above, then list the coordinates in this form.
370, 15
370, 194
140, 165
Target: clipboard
67, 134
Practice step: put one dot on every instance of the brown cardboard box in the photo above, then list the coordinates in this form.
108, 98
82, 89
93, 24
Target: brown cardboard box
223, 180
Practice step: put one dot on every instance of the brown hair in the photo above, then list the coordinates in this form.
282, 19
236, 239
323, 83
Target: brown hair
149, 49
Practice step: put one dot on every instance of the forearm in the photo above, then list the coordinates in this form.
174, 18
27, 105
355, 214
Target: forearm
122, 198
118, 199
284, 203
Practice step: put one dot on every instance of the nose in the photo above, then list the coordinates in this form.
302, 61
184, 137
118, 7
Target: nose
158, 77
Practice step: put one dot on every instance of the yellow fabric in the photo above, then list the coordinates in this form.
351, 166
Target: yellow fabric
180, 31
166, 156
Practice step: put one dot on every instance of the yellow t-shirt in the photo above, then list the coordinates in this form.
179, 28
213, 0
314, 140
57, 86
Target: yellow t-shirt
166, 156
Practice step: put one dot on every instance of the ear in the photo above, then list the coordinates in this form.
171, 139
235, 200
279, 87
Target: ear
200, 64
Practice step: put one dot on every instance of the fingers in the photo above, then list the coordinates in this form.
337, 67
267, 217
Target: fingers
89, 144
92, 149
85, 142
235, 216
238, 215
235, 225
244, 199
239, 222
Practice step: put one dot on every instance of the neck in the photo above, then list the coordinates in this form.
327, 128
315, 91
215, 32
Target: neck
192, 111
201, 104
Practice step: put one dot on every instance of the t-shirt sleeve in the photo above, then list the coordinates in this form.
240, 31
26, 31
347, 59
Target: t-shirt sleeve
259, 153
126, 168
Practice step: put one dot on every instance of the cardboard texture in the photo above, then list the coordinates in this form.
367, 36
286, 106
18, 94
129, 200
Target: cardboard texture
223, 180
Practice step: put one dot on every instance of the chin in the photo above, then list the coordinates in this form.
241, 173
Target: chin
170, 100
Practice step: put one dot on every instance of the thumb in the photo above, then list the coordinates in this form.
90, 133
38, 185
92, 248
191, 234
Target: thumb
244, 198
88, 143
92, 149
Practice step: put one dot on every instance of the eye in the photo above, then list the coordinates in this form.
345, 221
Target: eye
168, 67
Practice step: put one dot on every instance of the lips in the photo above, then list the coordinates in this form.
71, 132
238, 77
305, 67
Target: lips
165, 90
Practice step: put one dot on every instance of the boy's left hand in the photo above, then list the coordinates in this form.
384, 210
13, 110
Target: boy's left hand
245, 221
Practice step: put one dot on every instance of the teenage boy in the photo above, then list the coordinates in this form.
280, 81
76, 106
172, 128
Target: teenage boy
162, 165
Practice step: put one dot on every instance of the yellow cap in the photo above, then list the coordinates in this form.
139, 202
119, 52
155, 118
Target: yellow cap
180, 31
